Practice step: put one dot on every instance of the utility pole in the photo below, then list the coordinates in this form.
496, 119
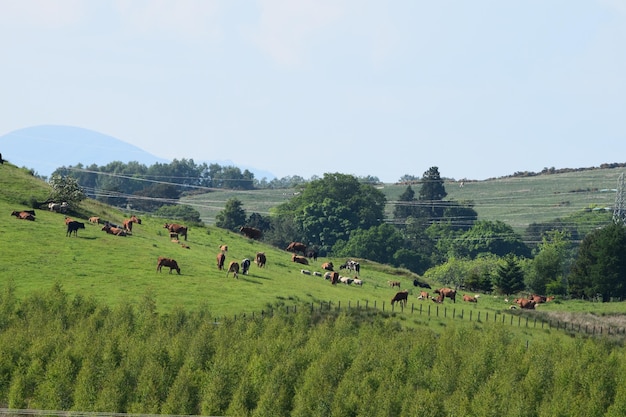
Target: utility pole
619, 211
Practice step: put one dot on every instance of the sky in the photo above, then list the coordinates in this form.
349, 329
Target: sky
479, 89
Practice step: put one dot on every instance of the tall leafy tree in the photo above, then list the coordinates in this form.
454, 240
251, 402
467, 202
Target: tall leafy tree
406, 206
600, 266
549, 262
232, 217
494, 237
432, 192
66, 189
378, 243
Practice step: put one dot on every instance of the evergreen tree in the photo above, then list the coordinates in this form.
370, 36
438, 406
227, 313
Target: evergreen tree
509, 277
406, 206
232, 217
432, 192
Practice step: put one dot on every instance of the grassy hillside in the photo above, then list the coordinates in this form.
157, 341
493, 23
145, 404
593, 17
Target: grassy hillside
515, 201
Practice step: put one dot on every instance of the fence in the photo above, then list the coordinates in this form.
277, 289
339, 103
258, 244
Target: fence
520, 319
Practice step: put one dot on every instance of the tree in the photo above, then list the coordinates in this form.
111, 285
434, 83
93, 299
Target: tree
182, 212
432, 192
406, 206
66, 189
509, 278
600, 266
548, 265
490, 237
232, 217
378, 243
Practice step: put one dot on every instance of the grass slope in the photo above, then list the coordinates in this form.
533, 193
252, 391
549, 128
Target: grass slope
517, 201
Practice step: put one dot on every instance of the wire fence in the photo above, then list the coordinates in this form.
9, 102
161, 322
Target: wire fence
518, 318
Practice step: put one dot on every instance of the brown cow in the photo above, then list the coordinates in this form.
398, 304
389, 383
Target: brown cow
525, 303
233, 267
334, 277
68, 220
469, 298
394, 284
439, 299
128, 223
221, 258
260, 259
112, 230
328, 266
171, 263
224, 248
94, 219
23, 215
251, 232
423, 295
177, 228
299, 259
538, 299
296, 247
401, 297
447, 292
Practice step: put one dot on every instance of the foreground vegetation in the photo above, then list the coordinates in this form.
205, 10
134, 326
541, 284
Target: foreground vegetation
73, 353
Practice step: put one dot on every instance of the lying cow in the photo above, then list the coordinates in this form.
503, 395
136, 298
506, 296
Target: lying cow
23, 215
469, 298
299, 259
525, 303
168, 262
328, 266
116, 231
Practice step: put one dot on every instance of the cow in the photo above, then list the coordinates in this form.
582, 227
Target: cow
538, 299
296, 247
394, 284
328, 266
418, 283
260, 259
311, 254
334, 277
23, 215
94, 219
234, 268
345, 280
357, 281
447, 292
73, 226
469, 298
168, 262
423, 295
351, 266
113, 230
58, 207
221, 258
224, 248
525, 303
299, 259
400, 297
67, 220
305, 272
438, 299
245, 266
317, 274
177, 228
128, 223
328, 275
251, 232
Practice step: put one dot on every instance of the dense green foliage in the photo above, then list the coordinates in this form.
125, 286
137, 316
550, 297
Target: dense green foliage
70, 353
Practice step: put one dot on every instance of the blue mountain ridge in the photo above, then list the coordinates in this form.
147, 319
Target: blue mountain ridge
45, 148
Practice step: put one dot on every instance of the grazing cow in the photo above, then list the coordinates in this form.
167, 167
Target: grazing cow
394, 284
469, 298
234, 268
73, 226
299, 259
351, 266
447, 292
177, 228
94, 219
328, 266
400, 297
251, 232
525, 303
334, 277
423, 295
296, 247
113, 230
221, 258
245, 266
23, 215
168, 262
224, 248
260, 259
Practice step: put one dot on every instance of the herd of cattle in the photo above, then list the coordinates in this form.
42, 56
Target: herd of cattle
234, 267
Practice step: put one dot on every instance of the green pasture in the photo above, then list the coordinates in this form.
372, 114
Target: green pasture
517, 201
120, 270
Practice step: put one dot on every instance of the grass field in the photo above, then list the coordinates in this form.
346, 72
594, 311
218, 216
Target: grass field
516, 201
115, 270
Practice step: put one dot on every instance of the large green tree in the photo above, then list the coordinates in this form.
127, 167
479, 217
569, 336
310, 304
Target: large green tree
494, 237
232, 217
600, 266
378, 243
509, 278
431, 193
549, 263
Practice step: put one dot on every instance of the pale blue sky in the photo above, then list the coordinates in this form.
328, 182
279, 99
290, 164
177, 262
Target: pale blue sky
478, 88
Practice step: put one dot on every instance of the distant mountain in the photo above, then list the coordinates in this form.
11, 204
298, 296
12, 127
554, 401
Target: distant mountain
48, 147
